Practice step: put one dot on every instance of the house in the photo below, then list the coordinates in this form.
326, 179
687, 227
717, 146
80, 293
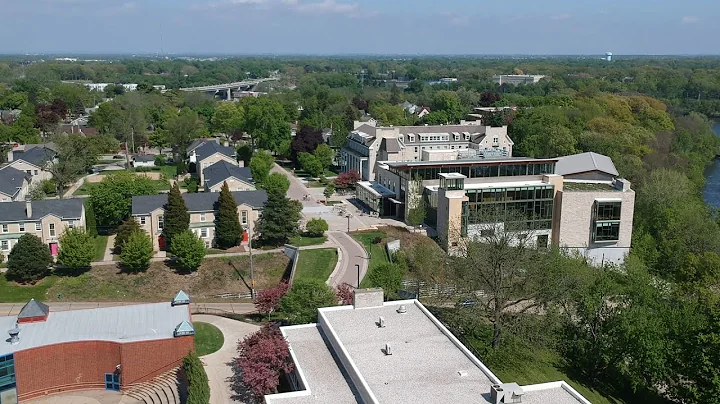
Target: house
47, 219
108, 348
395, 352
14, 184
237, 178
149, 211
143, 160
411, 108
35, 160
515, 79
208, 153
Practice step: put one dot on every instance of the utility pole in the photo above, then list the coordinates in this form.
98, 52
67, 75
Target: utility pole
252, 268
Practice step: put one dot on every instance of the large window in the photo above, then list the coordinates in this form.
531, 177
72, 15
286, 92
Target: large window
7, 376
606, 219
528, 208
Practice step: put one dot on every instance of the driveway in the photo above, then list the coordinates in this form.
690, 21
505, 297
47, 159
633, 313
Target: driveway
216, 364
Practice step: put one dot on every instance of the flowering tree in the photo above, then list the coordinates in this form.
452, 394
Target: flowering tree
348, 179
344, 293
263, 357
268, 300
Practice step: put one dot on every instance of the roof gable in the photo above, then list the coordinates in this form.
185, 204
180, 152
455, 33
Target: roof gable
209, 148
223, 170
32, 309
11, 180
584, 162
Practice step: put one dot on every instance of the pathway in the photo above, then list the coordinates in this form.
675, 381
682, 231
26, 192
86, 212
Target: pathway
217, 364
352, 255
109, 249
12, 309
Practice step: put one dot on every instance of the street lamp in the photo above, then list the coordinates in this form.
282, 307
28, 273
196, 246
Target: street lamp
348, 218
358, 275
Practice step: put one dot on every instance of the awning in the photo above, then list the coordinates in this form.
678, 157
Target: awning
395, 201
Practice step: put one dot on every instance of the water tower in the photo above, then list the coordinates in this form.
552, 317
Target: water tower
608, 56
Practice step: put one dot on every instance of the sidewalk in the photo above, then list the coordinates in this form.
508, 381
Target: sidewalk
12, 309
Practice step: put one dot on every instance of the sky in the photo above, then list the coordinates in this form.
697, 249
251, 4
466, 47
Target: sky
409, 27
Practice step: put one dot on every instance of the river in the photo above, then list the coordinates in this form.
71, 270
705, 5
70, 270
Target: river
712, 178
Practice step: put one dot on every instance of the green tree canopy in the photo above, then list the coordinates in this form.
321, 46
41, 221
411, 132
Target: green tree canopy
137, 252
260, 165
76, 249
300, 304
177, 218
276, 183
189, 250
279, 221
112, 197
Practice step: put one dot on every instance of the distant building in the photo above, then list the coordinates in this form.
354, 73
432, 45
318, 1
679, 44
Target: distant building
515, 79
143, 160
608, 56
33, 159
14, 184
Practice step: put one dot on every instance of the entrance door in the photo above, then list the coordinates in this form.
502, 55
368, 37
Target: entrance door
112, 381
54, 249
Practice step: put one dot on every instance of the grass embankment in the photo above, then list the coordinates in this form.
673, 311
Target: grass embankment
316, 264
304, 241
376, 250
208, 338
11, 292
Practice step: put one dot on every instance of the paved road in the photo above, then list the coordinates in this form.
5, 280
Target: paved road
351, 256
297, 190
217, 364
12, 309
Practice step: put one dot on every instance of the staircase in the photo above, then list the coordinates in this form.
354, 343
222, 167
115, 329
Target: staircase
163, 389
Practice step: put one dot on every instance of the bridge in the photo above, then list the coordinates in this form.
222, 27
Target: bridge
228, 88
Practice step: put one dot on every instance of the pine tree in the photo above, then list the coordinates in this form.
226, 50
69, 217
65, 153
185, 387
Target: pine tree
90, 223
177, 218
279, 221
228, 231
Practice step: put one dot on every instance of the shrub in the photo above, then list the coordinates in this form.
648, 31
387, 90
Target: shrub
268, 300
137, 251
191, 184
198, 385
316, 227
127, 228
347, 179
329, 190
189, 250
143, 169
388, 277
305, 297
76, 249
344, 293
263, 357
29, 260
160, 160
90, 223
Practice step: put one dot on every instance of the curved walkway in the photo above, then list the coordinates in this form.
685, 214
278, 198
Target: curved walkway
216, 364
352, 255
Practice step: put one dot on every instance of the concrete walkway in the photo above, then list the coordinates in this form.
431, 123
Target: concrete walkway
352, 255
12, 309
217, 364
109, 249
86, 397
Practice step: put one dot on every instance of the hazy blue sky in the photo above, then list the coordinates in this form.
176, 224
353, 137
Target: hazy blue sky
362, 26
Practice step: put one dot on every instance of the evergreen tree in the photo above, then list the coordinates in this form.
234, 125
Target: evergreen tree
127, 228
279, 221
177, 218
228, 231
90, 223
189, 250
29, 259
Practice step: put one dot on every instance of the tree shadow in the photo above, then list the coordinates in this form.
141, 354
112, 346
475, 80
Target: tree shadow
70, 272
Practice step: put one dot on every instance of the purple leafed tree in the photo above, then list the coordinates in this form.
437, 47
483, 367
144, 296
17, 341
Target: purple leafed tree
264, 356
344, 293
348, 179
268, 300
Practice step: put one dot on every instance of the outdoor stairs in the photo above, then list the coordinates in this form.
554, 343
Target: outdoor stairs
163, 389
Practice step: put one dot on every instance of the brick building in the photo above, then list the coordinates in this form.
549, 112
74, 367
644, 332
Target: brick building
111, 348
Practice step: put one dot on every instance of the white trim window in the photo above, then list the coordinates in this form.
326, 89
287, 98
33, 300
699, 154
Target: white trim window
5, 245
5, 228
71, 224
244, 217
204, 232
38, 226
161, 222
142, 220
22, 226
51, 229
202, 217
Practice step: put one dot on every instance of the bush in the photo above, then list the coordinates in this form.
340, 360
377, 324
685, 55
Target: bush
90, 223
263, 357
137, 251
127, 228
305, 297
316, 227
198, 388
143, 169
77, 249
160, 160
388, 277
29, 260
191, 184
189, 250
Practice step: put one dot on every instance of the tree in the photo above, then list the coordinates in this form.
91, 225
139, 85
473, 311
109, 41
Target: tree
183, 128
387, 276
324, 155
189, 249
306, 140
29, 260
177, 218
316, 227
311, 164
245, 153
395, 95
128, 227
112, 197
268, 301
137, 251
266, 122
329, 190
227, 119
90, 223
279, 221
76, 156
198, 389
77, 249
449, 102
347, 179
260, 165
263, 357
276, 183
228, 231
300, 304
416, 215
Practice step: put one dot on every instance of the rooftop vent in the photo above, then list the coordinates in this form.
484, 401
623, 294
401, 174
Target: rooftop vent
387, 350
381, 322
180, 298
14, 339
402, 309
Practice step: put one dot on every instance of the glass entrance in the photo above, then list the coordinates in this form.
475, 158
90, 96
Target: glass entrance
112, 381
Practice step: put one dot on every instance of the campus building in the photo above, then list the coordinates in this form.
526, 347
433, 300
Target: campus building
149, 211
111, 348
515, 79
393, 352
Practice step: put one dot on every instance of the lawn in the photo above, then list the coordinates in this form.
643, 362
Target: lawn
316, 265
11, 292
208, 338
378, 256
100, 247
303, 241
87, 187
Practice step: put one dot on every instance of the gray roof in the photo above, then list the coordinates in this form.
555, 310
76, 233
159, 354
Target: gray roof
62, 208
367, 129
199, 202
391, 145
121, 324
468, 162
36, 156
209, 148
222, 170
197, 142
11, 180
33, 308
144, 157
584, 162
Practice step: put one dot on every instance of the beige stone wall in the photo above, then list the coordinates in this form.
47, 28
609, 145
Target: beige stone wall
60, 226
449, 216
234, 185
201, 165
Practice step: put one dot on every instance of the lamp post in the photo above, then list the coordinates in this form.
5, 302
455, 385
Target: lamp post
358, 275
348, 218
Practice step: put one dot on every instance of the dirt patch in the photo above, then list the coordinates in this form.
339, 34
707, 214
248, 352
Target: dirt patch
216, 276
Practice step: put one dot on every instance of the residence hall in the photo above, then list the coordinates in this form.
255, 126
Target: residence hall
576, 202
106, 348
395, 352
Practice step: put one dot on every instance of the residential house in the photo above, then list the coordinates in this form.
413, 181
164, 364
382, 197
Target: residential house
208, 153
418, 110
237, 178
14, 184
47, 219
33, 160
143, 160
149, 211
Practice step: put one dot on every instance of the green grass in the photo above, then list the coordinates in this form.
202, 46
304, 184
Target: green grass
100, 247
303, 241
11, 292
208, 338
316, 265
378, 256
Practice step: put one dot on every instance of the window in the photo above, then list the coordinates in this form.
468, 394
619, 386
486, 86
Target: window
112, 381
605, 231
244, 217
607, 221
71, 224
142, 220
36, 172
5, 228
29, 172
161, 222
495, 140
542, 241
203, 232
5, 245
52, 229
22, 227
202, 217
37, 227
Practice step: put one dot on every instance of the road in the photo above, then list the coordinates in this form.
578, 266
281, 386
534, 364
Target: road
12, 309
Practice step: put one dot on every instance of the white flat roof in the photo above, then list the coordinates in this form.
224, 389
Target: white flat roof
452, 176
142, 322
490, 185
376, 188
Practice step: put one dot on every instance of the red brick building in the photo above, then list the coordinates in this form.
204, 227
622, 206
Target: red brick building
110, 348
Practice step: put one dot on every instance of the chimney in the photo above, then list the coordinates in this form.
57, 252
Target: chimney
364, 298
14, 339
28, 207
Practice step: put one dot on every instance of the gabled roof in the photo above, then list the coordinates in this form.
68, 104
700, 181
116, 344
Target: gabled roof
222, 170
390, 145
584, 162
367, 129
37, 156
199, 202
209, 148
62, 208
197, 142
11, 180
184, 328
33, 308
